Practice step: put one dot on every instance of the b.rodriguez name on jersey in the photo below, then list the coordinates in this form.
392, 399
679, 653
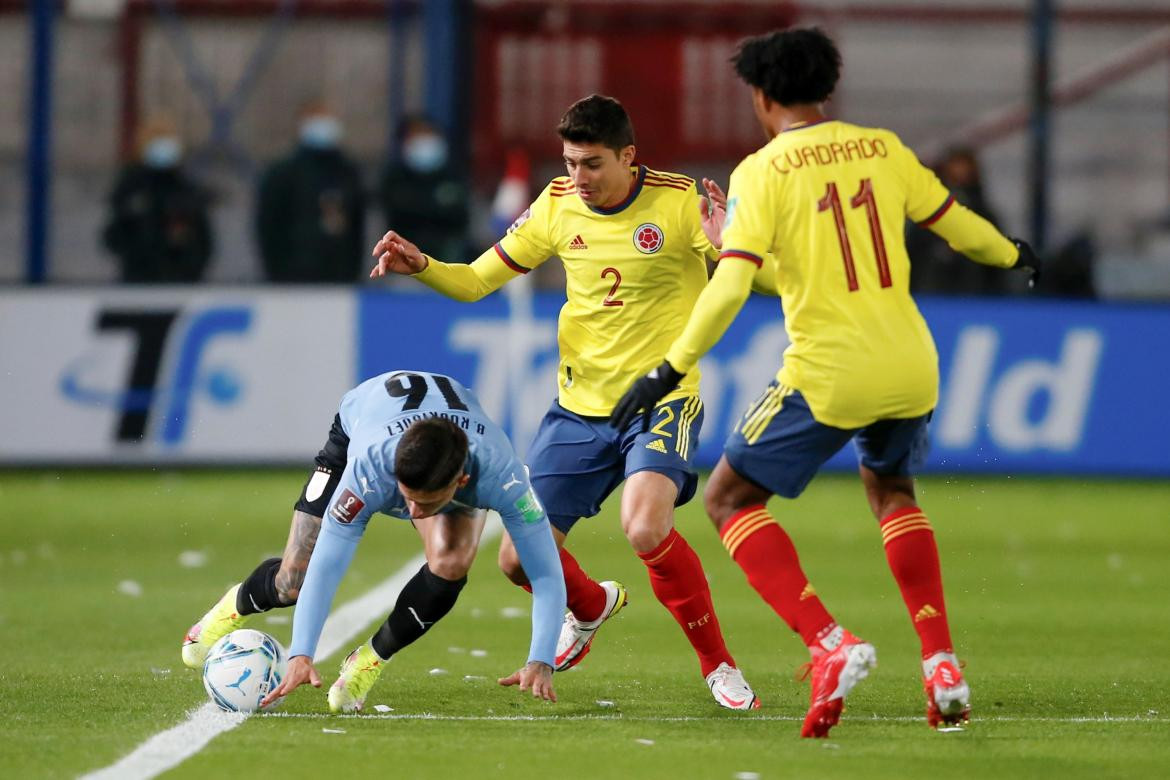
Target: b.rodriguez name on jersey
399, 426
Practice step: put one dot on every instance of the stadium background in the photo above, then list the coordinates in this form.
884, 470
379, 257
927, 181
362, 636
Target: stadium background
1064, 400
1035, 385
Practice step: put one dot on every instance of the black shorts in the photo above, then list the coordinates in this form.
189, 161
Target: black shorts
322, 481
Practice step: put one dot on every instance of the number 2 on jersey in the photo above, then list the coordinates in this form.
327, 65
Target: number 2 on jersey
617, 282
864, 197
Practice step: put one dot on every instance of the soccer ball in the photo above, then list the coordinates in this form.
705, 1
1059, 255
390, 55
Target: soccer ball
242, 668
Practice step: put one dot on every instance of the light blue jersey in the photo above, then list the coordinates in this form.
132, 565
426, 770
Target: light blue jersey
374, 416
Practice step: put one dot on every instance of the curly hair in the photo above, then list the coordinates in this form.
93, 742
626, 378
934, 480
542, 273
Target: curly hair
791, 67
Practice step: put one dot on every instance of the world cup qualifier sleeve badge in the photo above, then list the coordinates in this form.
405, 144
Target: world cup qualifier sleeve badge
347, 507
648, 238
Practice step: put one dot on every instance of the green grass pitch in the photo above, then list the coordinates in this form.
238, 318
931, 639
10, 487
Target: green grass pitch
1057, 589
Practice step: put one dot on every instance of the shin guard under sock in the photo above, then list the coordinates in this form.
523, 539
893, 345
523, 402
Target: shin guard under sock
421, 603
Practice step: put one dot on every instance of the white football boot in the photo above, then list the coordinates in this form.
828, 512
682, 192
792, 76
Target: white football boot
731, 690
576, 637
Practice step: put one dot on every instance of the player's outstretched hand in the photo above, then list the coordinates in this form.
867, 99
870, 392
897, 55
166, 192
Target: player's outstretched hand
396, 255
713, 211
1028, 261
644, 394
535, 676
300, 671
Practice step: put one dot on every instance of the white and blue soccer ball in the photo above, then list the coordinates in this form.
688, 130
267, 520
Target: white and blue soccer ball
241, 668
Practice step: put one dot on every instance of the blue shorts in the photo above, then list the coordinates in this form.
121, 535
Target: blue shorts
575, 462
779, 446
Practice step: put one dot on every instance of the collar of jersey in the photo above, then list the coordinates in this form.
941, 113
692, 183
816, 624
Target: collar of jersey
803, 125
637, 188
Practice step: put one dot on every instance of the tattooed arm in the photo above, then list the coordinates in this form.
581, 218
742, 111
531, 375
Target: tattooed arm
302, 538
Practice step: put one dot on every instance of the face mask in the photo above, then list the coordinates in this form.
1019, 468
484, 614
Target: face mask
162, 152
321, 132
425, 153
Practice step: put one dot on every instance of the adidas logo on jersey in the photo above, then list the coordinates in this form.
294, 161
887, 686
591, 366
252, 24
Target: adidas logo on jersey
925, 613
657, 446
578, 243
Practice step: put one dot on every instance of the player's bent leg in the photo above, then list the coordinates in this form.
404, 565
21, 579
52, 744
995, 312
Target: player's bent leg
648, 509
509, 560
422, 603
220, 620
450, 542
767, 556
678, 580
274, 583
576, 637
277, 581
727, 493
887, 494
912, 554
764, 551
589, 603
584, 595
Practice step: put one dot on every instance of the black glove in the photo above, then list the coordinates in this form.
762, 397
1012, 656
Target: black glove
1027, 261
643, 395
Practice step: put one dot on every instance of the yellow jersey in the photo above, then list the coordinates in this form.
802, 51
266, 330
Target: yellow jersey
825, 203
633, 273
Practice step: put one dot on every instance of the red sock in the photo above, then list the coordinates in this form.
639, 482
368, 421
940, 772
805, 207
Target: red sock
767, 556
586, 599
677, 577
913, 558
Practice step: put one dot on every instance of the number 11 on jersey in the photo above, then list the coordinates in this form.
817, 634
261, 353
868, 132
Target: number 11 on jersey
864, 198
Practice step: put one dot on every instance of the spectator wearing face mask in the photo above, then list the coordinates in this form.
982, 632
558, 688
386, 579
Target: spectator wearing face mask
423, 194
158, 227
311, 207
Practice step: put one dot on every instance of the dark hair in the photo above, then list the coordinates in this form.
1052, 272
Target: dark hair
790, 66
597, 119
431, 454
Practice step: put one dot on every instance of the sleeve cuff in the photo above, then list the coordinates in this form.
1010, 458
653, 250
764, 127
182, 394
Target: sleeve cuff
742, 255
939, 212
508, 261
428, 269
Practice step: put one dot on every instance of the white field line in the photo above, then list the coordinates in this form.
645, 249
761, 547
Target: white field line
699, 718
169, 748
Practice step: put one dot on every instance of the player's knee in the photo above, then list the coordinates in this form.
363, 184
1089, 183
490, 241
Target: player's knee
718, 504
452, 563
889, 503
646, 533
888, 494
